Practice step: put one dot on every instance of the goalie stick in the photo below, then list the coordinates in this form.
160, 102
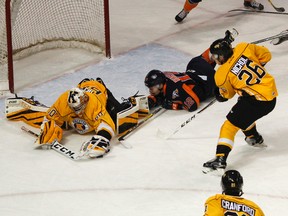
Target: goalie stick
257, 11
59, 147
131, 130
279, 9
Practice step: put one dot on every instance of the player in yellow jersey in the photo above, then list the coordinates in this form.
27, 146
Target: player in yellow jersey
191, 4
241, 72
84, 109
230, 202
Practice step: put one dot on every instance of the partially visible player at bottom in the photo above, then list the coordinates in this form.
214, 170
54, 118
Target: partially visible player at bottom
230, 201
191, 4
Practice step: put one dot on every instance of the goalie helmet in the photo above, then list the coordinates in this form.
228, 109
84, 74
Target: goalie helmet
232, 183
154, 77
77, 100
222, 48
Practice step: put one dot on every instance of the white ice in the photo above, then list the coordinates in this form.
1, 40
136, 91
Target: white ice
155, 176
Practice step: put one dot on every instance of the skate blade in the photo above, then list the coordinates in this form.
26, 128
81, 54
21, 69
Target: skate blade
262, 145
216, 172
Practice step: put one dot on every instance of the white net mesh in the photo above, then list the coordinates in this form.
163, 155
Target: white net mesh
46, 24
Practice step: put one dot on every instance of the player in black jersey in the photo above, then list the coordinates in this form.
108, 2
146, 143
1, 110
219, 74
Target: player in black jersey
185, 90
182, 90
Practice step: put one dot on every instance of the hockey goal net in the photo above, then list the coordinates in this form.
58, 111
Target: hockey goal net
31, 26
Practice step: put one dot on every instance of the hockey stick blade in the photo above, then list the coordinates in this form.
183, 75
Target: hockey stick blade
280, 35
58, 147
256, 11
279, 9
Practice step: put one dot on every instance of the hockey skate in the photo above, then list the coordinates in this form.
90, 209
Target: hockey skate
217, 164
181, 16
253, 5
255, 141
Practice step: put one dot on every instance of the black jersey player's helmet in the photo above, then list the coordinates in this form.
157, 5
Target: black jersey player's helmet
222, 48
232, 183
154, 77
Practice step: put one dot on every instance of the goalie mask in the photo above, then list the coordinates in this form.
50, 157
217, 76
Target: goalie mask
232, 183
77, 100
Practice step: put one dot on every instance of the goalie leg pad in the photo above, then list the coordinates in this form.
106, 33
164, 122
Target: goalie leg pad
127, 122
30, 117
49, 133
25, 109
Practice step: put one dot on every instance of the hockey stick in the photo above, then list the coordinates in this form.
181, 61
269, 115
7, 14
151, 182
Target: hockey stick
256, 11
131, 130
59, 147
282, 34
279, 9
190, 119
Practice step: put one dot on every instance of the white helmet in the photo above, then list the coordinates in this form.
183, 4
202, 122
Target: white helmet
77, 100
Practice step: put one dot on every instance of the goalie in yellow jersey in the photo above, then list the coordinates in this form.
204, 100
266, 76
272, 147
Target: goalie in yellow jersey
230, 201
241, 72
85, 109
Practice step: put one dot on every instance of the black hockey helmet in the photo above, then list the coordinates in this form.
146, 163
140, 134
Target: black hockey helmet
154, 77
222, 48
232, 183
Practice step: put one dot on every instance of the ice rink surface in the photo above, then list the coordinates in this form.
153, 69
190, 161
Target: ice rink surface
156, 176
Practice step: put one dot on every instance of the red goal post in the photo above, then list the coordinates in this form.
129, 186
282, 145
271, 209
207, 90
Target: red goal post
31, 26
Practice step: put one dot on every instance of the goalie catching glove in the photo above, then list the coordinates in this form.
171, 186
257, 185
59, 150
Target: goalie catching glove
96, 147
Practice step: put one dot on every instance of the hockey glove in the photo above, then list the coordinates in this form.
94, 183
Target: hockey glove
96, 147
167, 104
218, 96
230, 35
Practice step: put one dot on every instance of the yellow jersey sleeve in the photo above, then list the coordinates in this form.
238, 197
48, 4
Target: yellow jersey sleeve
244, 74
96, 113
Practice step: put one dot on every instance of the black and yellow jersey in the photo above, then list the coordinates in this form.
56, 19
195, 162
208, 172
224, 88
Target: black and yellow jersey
245, 74
220, 204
